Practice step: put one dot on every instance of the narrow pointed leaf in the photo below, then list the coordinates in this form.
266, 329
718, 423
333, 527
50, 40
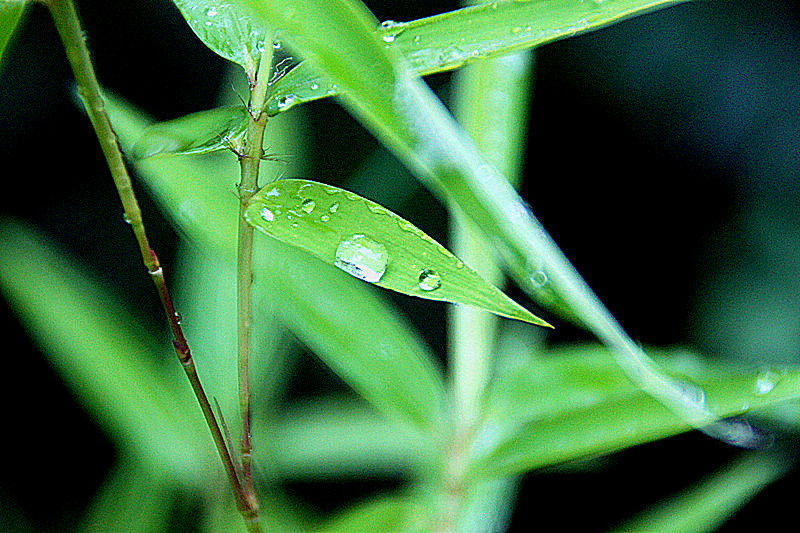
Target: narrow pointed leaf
197, 133
10, 14
373, 244
707, 505
449, 40
576, 403
226, 30
105, 360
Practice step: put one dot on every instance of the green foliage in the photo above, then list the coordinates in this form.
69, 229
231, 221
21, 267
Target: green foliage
447, 41
227, 30
509, 408
199, 133
10, 14
373, 244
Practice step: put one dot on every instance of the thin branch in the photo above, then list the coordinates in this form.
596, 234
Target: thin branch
249, 161
68, 26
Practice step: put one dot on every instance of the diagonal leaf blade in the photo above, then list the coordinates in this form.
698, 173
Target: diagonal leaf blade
374, 244
449, 40
575, 403
197, 133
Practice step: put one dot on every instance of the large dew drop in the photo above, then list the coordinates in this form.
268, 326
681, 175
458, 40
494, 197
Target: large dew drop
362, 258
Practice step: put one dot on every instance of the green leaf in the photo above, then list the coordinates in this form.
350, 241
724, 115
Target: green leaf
382, 92
575, 403
449, 40
133, 498
380, 515
227, 30
103, 357
338, 438
10, 14
358, 335
382, 358
197, 133
373, 244
706, 506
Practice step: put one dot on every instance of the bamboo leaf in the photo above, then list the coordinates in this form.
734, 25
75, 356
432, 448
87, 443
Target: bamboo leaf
10, 15
381, 91
337, 438
324, 308
197, 133
226, 30
100, 354
706, 506
373, 244
449, 40
574, 403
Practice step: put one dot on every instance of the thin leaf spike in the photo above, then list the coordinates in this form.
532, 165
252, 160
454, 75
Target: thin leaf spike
373, 244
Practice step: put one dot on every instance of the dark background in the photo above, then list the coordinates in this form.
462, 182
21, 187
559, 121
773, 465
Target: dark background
663, 157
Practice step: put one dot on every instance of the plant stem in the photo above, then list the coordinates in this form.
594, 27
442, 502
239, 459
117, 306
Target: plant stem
249, 162
68, 26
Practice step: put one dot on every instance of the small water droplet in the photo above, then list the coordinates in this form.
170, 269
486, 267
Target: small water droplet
362, 258
388, 38
211, 12
388, 24
276, 45
314, 86
538, 279
766, 381
308, 206
126, 219
691, 392
178, 318
266, 214
416, 39
334, 207
286, 102
429, 280
324, 218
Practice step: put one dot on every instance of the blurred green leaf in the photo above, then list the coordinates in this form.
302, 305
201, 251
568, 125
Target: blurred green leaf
226, 30
133, 498
327, 438
373, 244
706, 506
103, 357
379, 515
382, 358
449, 40
198, 133
573, 403
358, 335
10, 14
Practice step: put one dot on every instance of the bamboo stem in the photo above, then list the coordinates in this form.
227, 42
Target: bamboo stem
68, 26
249, 162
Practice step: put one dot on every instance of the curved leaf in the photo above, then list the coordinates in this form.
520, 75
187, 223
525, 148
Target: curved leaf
373, 244
449, 40
197, 133
227, 30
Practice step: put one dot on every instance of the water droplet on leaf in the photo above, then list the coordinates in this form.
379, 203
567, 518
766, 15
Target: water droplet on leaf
538, 279
766, 381
334, 207
308, 206
429, 280
362, 258
266, 214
